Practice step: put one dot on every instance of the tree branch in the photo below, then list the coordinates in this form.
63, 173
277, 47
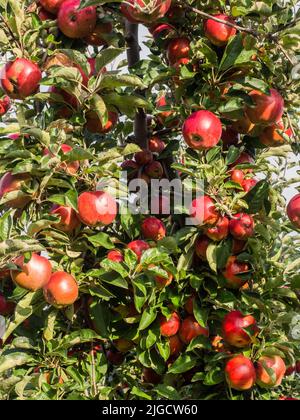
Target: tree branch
133, 57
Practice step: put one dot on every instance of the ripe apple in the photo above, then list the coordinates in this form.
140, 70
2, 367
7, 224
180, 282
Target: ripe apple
248, 184
176, 345
219, 33
204, 212
10, 183
232, 272
6, 307
156, 145
178, 49
20, 78
61, 289
76, 23
202, 130
97, 208
264, 367
220, 231
52, 6
70, 167
238, 246
151, 377
95, 126
237, 176
153, 228
68, 218
240, 373
160, 31
267, 109
131, 168
4, 105
116, 358
189, 304
191, 329
241, 227
98, 36
154, 170
201, 246
293, 210
34, 274
116, 256
144, 157
239, 330
165, 117
170, 326
162, 282
138, 247
272, 137
145, 11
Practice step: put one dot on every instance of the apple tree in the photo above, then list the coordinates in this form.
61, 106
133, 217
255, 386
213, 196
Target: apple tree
101, 101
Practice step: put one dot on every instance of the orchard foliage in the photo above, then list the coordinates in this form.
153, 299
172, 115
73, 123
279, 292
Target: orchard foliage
145, 306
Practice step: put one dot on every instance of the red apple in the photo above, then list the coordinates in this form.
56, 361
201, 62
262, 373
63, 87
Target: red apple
95, 126
138, 247
241, 227
239, 330
191, 329
151, 377
161, 30
154, 170
61, 289
267, 109
237, 176
6, 307
272, 136
293, 211
240, 373
68, 218
270, 371
220, 231
204, 212
4, 105
176, 345
248, 184
238, 246
98, 36
131, 167
178, 49
10, 183
219, 33
116, 256
189, 304
165, 117
116, 358
52, 6
201, 246
76, 23
153, 228
156, 145
162, 282
232, 273
144, 157
97, 208
145, 11
202, 130
34, 274
170, 326
20, 78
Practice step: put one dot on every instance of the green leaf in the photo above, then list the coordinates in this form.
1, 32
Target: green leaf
235, 54
107, 56
13, 359
101, 240
184, 363
148, 317
256, 197
168, 392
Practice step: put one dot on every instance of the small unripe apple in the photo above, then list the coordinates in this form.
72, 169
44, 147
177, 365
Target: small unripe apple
204, 212
232, 273
154, 170
178, 49
240, 373
239, 330
191, 329
32, 275
293, 211
68, 218
95, 126
220, 231
138, 247
264, 367
61, 289
170, 326
201, 246
202, 130
156, 145
267, 109
153, 228
97, 208
20, 78
115, 256
241, 227
76, 23
144, 157
219, 33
